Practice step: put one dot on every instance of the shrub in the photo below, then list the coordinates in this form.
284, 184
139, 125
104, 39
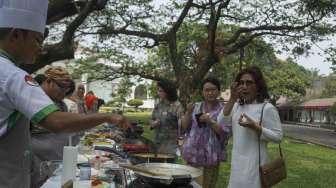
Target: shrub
135, 103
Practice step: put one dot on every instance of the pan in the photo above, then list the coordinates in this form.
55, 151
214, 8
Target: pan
167, 174
150, 157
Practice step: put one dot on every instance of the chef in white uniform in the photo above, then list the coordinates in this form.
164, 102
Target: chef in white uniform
22, 24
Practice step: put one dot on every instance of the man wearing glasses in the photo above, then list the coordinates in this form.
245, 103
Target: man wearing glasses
22, 24
57, 84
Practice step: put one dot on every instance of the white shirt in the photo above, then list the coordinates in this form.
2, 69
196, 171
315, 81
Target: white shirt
72, 106
245, 155
19, 95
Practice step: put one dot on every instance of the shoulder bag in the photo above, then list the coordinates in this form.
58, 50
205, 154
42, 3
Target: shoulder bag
273, 172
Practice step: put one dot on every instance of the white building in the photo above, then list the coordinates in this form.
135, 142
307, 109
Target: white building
104, 90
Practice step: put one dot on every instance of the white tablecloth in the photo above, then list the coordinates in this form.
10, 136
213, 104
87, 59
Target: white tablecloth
55, 182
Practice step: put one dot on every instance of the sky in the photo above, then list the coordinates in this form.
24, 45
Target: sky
315, 61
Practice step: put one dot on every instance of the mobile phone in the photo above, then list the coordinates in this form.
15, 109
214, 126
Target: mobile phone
199, 123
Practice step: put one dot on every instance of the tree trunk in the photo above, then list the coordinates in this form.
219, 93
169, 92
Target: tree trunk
187, 89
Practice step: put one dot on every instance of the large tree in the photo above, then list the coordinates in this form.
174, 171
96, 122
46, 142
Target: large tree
285, 77
144, 24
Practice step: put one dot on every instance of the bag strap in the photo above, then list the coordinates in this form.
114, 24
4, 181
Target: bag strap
260, 123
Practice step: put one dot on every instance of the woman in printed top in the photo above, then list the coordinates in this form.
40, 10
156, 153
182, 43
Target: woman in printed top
249, 96
207, 136
165, 118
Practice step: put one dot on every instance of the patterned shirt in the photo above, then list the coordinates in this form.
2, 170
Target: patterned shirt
166, 133
203, 147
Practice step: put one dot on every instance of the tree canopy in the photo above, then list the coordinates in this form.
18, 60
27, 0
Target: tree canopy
330, 86
124, 31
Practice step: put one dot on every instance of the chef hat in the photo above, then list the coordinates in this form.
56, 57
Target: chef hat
24, 14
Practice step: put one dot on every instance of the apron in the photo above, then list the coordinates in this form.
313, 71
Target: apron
16, 156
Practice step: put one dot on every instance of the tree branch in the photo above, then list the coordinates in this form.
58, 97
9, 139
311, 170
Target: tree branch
51, 53
142, 74
266, 28
64, 49
183, 14
70, 31
60, 9
244, 42
123, 30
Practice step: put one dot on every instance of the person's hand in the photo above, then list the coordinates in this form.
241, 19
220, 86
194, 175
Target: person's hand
205, 118
190, 108
235, 91
246, 121
154, 123
120, 121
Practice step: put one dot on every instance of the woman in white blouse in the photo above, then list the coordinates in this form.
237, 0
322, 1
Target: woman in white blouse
249, 96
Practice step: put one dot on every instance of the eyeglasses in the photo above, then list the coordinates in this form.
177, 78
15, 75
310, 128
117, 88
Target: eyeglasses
246, 82
64, 88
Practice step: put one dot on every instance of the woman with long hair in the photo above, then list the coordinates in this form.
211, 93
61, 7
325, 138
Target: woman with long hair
247, 107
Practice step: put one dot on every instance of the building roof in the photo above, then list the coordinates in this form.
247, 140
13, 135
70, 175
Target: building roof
319, 103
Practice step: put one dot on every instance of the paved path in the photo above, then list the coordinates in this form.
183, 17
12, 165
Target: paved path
314, 135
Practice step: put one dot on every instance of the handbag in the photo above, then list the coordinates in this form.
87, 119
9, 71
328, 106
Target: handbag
273, 172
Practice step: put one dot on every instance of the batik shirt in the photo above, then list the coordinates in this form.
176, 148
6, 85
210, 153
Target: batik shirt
203, 146
166, 132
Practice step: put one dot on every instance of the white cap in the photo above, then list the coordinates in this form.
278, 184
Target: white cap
24, 14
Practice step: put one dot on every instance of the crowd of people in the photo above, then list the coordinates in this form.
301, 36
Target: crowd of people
37, 113
207, 125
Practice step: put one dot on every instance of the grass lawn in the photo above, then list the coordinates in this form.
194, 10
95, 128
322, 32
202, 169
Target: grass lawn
309, 166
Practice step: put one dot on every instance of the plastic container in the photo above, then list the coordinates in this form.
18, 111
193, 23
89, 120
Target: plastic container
84, 171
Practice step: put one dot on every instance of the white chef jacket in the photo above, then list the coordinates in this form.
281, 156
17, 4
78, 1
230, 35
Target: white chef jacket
21, 101
19, 95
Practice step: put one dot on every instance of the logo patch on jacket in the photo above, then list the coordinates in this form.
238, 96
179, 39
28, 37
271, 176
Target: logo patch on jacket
30, 80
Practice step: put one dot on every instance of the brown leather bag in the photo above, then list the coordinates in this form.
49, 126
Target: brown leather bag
273, 172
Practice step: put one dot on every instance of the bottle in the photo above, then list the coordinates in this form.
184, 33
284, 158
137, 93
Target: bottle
97, 163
